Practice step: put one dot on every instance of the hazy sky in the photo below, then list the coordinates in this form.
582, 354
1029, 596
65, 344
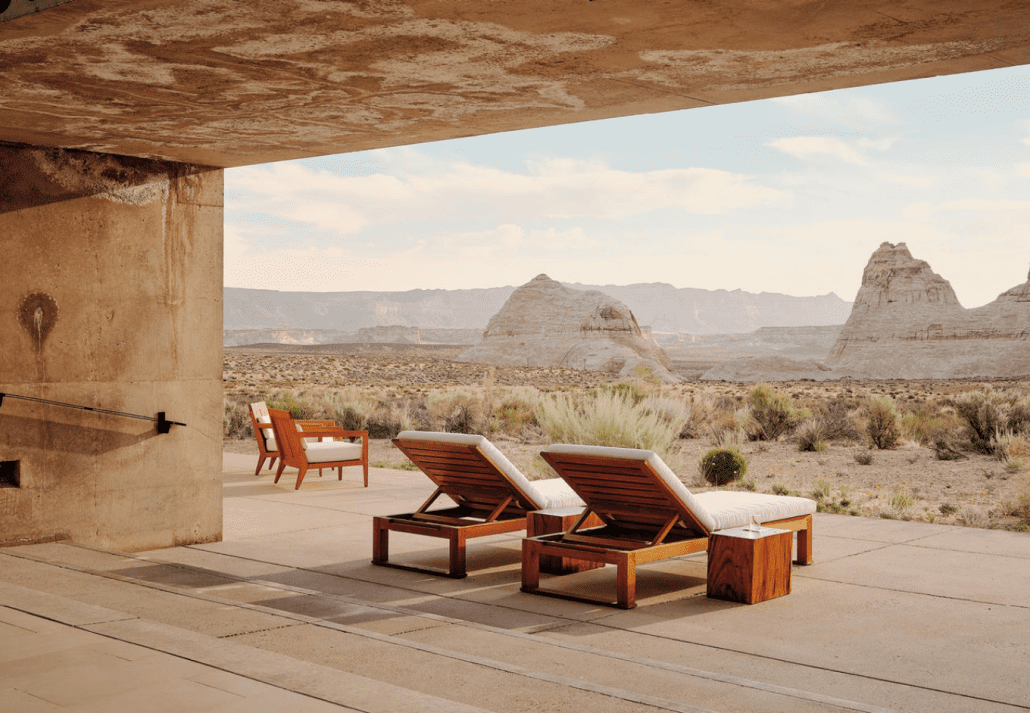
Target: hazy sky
785, 195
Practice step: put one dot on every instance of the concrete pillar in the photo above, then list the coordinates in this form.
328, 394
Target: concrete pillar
110, 297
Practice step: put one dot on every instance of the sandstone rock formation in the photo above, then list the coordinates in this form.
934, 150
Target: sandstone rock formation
907, 324
544, 323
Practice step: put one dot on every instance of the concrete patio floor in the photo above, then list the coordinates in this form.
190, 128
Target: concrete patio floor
287, 613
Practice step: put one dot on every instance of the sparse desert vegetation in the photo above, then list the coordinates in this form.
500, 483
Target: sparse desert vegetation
952, 452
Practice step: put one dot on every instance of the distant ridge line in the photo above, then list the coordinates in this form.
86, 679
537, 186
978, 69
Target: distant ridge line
660, 306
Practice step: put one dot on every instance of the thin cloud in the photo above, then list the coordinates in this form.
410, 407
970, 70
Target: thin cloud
805, 147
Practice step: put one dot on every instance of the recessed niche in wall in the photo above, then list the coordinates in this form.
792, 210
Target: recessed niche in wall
10, 473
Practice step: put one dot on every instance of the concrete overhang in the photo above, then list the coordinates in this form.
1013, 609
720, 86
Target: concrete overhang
234, 82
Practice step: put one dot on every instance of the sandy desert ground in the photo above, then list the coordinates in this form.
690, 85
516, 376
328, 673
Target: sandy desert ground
908, 482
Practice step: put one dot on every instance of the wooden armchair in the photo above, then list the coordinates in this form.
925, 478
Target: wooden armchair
263, 431
295, 451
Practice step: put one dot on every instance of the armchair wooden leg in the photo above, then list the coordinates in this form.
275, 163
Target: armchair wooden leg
261, 462
365, 466
279, 471
300, 476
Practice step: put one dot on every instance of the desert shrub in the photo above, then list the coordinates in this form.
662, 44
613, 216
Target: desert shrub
1019, 415
775, 413
864, 458
674, 411
780, 489
720, 466
733, 421
286, 401
349, 419
972, 516
820, 489
1013, 449
388, 418
883, 428
236, 419
947, 446
1020, 508
461, 420
605, 418
627, 389
900, 503
514, 412
984, 414
811, 436
835, 419
732, 439
700, 414
458, 408
926, 427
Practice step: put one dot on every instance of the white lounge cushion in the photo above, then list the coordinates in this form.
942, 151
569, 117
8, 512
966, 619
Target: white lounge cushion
329, 451
663, 471
546, 494
734, 508
268, 433
716, 510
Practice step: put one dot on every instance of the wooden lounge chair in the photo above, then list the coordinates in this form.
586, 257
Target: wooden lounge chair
648, 515
489, 495
292, 438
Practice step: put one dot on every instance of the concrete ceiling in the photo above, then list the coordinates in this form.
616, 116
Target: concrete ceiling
235, 82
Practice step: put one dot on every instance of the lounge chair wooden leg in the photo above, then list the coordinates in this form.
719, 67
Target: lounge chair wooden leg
380, 541
805, 543
365, 465
627, 582
272, 462
530, 565
279, 471
457, 563
300, 476
261, 462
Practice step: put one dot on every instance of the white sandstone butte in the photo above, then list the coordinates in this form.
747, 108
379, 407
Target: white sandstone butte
546, 324
906, 323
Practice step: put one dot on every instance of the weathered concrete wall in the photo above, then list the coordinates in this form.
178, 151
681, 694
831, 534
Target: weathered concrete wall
110, 297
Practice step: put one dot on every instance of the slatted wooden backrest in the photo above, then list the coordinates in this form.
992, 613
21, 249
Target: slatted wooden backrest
465, 474
286, 435
258, 409
623, 491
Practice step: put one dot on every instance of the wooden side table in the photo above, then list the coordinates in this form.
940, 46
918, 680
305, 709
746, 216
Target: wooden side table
749, 567
547, 522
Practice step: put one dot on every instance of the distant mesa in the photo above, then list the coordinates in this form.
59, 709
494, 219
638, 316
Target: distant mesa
546, 324
907, 323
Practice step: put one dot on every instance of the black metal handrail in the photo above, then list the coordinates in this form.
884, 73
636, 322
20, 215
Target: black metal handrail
163, 424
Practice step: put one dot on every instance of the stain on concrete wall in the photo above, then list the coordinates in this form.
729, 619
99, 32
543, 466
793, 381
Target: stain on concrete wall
37, 315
